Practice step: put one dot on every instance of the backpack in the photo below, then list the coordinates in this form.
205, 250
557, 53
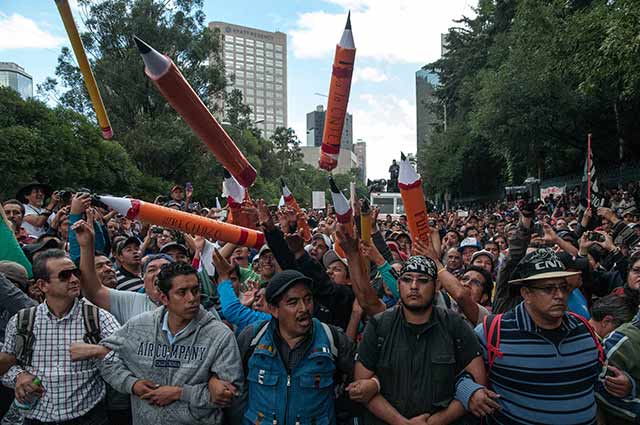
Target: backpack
25, 339
492, 336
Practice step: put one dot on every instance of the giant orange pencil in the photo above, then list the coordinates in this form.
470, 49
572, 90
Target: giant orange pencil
410, 184
174, 87
85, 68
185, 222
338, 99
290, 200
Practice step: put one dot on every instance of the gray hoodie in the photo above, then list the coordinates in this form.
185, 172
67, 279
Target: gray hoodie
141, 350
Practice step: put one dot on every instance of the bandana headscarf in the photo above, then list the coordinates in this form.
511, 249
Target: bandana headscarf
420, 264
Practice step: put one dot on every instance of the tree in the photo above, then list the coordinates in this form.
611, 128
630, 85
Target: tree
64, 149
287, 149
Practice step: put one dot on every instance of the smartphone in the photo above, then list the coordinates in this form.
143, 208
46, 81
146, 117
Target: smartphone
594, 236
188, 186
538, 229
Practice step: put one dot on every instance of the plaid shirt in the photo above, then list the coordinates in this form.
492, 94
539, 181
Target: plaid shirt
71, 389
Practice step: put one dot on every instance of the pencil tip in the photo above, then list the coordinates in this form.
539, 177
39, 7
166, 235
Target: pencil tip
142, 46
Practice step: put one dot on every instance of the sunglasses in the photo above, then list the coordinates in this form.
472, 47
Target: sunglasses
65, 275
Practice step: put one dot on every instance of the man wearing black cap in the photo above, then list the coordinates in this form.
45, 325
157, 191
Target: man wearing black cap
177, 251
417, 351
129, 266
291, 359
542, 361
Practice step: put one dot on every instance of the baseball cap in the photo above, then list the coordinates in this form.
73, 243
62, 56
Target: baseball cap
176, 187
393, 247
282, 281
324, 238
148, 259
331, 257
486, 254
469, 243
30, 250
542, 263
130, 240
168, 246
15, 272
263, 249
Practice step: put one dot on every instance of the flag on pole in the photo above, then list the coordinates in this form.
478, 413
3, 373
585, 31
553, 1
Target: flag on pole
590, 191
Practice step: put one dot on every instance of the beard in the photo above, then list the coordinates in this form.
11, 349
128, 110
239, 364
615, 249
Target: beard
422, 308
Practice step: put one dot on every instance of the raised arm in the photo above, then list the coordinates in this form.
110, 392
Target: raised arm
91, 286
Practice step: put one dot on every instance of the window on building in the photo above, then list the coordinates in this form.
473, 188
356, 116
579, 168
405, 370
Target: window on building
279, 56
239, 65
250, 100
259, 52
279, 48
269, 62
279, 64
269, 70
239, 81
260, 68
239, 49
259, 85
269, 77
249, 67
279, 87
228, 47
228, 55
228, 64
269, 46
279, 71
250, 75
260, 61
229, 38
249, 50
250, 91
249, 42
268, 86
279, 80
259, 44
271, 126
269, 102
260, 93
260, 109
239, 40
279, 95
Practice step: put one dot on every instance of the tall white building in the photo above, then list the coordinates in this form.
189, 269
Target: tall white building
258, 61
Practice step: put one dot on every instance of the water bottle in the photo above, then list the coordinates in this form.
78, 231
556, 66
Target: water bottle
31, 400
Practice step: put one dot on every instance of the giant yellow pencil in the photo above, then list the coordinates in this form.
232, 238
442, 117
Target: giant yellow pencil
176, 89
338, 99
85, 68
184, 222
410, 184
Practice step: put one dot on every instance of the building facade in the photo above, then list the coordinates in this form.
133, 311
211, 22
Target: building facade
426, 104
256, 64
360, 149
315, 127
347, 160
14, 76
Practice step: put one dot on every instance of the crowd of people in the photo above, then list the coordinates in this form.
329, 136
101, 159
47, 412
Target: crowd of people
519, 312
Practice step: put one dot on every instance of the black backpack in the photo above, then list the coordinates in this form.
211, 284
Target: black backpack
25, 339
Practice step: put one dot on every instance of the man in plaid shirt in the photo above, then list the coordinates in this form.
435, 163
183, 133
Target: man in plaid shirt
71, 392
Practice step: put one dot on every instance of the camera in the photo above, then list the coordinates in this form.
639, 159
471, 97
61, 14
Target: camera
594, 236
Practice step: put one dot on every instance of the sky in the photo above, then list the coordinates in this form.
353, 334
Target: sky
393, 40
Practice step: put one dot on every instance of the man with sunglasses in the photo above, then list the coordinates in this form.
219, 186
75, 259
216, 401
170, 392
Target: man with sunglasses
416, 351
542, 361
70, 391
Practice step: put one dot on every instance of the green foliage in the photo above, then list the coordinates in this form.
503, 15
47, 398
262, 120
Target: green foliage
525, 81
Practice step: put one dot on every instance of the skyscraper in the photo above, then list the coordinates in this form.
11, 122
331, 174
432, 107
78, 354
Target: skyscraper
360, 149
258, 61
315, 127
14, 76
426, 102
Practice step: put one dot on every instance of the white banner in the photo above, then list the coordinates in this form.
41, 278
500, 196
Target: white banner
556, 191
317, 200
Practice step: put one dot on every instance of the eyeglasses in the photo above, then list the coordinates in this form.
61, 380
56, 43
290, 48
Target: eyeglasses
65, 275
550, 289
407, 280
466, 279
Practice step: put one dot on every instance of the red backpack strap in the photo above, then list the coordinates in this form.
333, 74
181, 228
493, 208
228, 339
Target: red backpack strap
491, 326
585, 322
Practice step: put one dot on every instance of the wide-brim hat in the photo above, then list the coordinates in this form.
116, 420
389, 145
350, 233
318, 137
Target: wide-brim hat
540, 264
25, 190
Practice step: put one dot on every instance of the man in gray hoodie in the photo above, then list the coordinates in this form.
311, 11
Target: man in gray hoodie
166, 358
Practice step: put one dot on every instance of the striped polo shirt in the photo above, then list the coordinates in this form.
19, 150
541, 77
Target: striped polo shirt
540, 382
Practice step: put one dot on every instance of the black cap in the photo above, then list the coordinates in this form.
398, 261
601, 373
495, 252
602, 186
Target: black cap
33, 248
166, 247
540, 264
130, 240
282, 281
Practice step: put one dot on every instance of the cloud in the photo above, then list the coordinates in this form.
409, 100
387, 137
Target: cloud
370, 74
387, 124
18, 32
400, 31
